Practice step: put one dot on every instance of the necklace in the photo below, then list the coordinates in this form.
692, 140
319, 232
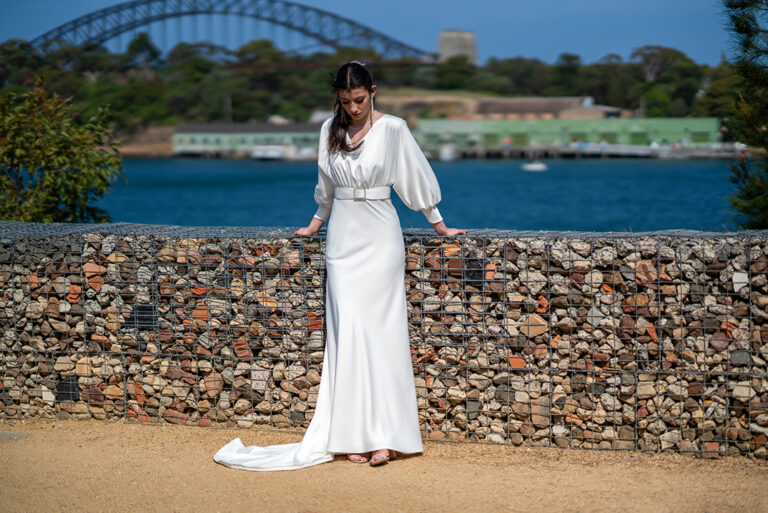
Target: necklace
360, 133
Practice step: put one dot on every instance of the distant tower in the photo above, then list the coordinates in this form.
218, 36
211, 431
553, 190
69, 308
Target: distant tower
456, 42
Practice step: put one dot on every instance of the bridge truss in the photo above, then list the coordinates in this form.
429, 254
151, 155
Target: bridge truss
321, 28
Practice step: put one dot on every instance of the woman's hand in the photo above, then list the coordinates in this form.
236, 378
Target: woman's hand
305, 232
311, 230
443, 230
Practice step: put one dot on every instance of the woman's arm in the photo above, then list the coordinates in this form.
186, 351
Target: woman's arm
443, 230
311, 230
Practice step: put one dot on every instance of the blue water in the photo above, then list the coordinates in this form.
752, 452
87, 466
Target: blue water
588, 195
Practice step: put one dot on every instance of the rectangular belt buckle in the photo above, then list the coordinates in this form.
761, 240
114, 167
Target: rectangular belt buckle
359, 195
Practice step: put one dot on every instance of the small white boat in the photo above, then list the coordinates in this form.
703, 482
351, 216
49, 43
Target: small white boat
447, 153
268, 152
535, 165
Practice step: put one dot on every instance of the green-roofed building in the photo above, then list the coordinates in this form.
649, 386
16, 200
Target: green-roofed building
474, 135
291, 141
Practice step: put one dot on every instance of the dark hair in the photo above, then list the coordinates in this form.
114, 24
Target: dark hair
350, 75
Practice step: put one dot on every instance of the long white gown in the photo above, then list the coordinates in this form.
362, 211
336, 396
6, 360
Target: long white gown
367, 397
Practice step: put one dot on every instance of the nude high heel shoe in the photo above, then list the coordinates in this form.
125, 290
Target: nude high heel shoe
359, 457
382, 457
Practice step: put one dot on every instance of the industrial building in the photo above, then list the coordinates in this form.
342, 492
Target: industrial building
560, 137
472, 138
288, 141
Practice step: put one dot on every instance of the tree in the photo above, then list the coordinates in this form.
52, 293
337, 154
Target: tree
612, 82
566, 76
655, 59
749, 24
657, 95
52, 167
17, 59
142, 51
717, 96
455, 73
526, 76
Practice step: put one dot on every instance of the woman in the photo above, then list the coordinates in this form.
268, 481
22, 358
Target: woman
366, 403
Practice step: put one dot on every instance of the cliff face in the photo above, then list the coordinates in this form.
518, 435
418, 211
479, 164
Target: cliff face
150, 142
655, 341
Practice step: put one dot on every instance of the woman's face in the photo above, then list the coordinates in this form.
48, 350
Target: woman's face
357, 102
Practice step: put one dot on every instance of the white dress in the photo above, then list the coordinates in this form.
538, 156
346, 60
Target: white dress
367, 397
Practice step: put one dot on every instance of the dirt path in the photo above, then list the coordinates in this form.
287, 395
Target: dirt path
112, 466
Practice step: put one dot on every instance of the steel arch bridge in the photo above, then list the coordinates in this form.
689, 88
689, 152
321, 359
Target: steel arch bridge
324, 27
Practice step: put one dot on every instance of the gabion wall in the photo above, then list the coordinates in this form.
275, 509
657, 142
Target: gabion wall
653, 341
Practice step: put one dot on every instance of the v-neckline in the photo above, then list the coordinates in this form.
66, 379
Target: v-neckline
349, 139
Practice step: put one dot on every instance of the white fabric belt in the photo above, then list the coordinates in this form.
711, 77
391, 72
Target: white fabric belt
353, 193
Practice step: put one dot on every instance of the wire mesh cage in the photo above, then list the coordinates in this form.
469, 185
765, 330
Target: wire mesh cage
651, 341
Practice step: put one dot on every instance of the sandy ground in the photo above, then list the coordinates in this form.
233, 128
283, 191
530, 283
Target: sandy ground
48, 465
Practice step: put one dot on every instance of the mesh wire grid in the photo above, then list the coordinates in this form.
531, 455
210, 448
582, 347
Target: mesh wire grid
651, 341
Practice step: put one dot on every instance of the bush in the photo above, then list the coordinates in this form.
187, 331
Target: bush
52, 167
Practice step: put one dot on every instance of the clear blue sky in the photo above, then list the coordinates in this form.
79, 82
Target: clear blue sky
503, 28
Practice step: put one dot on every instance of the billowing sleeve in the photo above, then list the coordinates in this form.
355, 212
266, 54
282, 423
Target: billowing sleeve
415, 182
324, 189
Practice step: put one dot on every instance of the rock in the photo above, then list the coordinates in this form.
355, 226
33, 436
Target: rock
743, 392
669, 439
214, 384
646, 271
63, 363
59, 326
594, 316
93, 269
180, 389
594, 279
541, 351
540, 421
97, 412
740, 280
242, 405
259, 377
246, 421
47, 396
455, 395
201, 315
473, 409
114, 392
241, 349
719, 341
534, 281
710, 450
174, 417
622, 445
610, 403
294, 371
34, 310
676, 391
645, 390
479, 381
533, 325
567, 325
592, 436
495, 438
695, 389
740, 357
505, 394
84, 368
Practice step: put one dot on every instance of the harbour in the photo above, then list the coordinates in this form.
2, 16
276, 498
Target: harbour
572, 194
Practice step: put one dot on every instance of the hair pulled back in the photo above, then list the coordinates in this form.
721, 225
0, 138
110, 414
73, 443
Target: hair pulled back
350, 75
